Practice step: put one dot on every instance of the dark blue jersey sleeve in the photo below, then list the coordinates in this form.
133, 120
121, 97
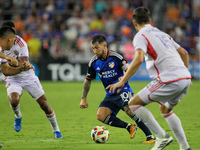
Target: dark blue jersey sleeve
91, 72
123, 64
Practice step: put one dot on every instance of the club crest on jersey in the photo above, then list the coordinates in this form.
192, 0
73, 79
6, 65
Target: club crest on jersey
124, 62
111, 64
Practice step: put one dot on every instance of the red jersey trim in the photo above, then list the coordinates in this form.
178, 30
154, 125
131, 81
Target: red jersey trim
155, 87
108, 54
33, 67
178, 79
173, 104
4, 62
165, 116
152, 53
23, 56
89, 78
153, 100
19, 42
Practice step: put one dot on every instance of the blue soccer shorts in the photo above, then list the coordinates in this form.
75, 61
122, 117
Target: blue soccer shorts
116, 102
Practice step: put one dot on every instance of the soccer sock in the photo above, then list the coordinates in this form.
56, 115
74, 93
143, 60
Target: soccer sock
116, 122
175, 125
142, 126
52, 119
17, 111
149, 120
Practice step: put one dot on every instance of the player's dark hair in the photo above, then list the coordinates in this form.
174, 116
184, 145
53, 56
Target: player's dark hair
6, 31
98, 38
141, 15
9, 24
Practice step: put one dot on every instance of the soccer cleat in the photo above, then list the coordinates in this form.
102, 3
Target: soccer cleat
17, 124
150, 139
133, 129
162, 143
58, 134
1, 145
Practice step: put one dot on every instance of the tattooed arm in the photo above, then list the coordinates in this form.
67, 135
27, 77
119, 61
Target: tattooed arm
86, 88
128, 111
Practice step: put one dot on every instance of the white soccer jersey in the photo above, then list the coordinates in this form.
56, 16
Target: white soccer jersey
161, 56
19, 50
2, 61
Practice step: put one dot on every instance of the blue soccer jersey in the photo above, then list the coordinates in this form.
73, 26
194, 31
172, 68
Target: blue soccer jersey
109, 70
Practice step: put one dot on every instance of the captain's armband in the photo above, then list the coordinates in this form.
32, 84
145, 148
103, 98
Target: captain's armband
125, 67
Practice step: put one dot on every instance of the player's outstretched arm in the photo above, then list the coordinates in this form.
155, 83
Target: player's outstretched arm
184, 56
86, 88
12, 60
132, 69
7, 70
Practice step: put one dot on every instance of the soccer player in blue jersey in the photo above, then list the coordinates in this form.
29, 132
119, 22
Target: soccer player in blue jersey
110, 66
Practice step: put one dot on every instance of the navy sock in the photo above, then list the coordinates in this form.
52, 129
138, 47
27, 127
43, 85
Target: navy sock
116, 122
141, 125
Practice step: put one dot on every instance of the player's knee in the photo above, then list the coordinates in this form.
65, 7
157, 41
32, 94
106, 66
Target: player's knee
44, 105
14, 104
164, 109
100, 117
14, 100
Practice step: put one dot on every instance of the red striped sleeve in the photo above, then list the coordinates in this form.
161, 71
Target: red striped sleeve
19, 42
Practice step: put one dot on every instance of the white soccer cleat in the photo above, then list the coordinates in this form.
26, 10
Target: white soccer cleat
162, 143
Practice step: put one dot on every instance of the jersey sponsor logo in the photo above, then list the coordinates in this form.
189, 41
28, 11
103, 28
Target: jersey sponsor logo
107, 74
111, 64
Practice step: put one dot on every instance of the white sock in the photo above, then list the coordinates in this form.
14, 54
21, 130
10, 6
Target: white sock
149, 120
52, 119
17, 111
175, 125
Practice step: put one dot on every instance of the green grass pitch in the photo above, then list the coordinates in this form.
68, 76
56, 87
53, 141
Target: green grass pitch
76, 124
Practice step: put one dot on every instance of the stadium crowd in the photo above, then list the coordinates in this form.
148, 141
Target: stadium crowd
60, 30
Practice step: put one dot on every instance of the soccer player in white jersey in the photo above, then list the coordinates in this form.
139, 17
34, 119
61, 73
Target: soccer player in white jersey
12, 60
7, 38
167, 64
28, 81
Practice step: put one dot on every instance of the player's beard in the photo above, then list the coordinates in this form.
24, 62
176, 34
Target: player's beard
101, 56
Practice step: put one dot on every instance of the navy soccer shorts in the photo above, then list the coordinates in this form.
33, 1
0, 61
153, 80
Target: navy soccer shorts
116, 102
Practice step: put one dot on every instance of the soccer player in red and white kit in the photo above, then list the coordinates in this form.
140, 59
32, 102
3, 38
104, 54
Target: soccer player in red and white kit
29, 81
12, 60
167, 64
7, 38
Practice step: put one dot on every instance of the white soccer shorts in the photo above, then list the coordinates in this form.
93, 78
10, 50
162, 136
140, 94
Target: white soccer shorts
166, 94
33, 87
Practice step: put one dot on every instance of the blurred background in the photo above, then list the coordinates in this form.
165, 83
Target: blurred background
58, 32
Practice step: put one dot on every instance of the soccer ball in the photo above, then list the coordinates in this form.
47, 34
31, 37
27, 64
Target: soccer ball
1, 145
100, 134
